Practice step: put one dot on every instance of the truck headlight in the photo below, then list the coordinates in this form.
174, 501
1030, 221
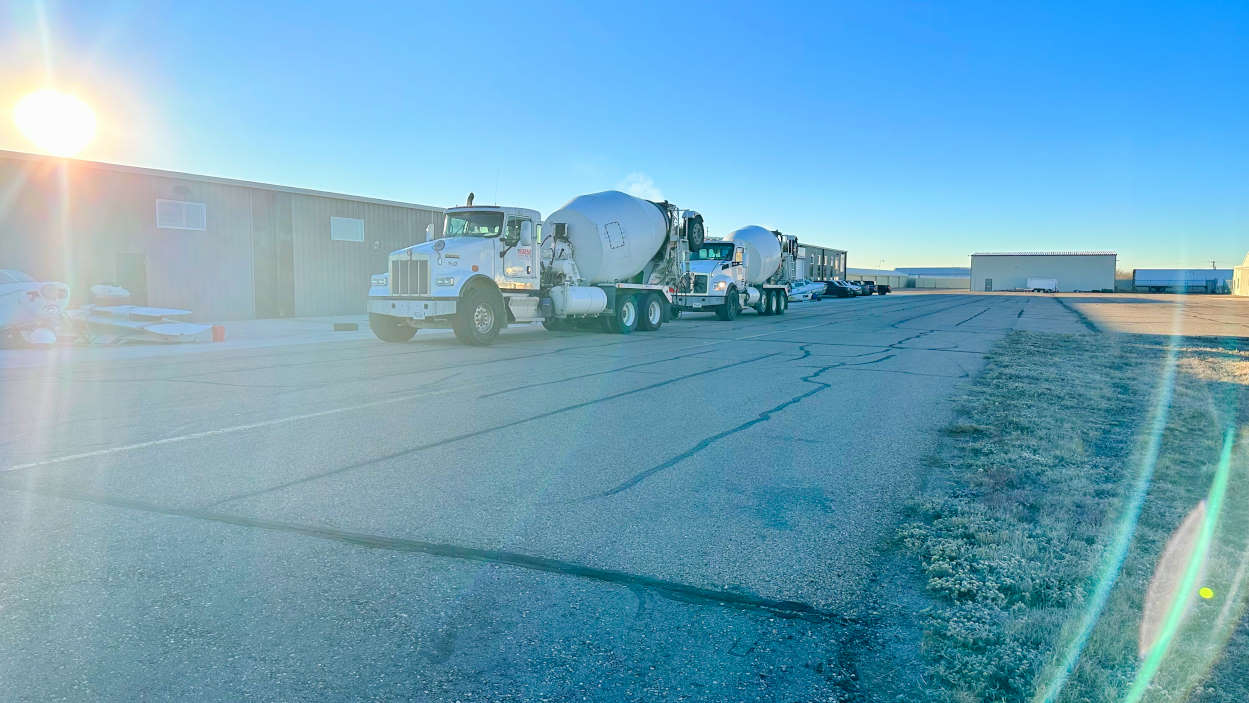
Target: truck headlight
721, 285
379, 281
445, 281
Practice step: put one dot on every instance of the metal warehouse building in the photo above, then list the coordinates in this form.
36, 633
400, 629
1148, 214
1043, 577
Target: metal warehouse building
222, 248
1181, 280
821, 263
1074, 270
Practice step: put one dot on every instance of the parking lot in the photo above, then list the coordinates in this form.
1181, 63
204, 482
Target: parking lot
700, 511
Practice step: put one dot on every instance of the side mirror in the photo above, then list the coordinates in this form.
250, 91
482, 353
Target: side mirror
526, 233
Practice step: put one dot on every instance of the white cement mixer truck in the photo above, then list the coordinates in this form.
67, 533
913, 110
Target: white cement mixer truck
750, 268
608, 260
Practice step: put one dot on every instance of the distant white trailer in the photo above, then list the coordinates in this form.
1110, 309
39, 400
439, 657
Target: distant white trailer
1043, 285
1074, 270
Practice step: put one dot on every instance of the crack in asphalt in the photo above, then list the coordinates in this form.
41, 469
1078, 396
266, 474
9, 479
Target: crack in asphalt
960, 324
673, 590
593, 373
469, 435
761, 417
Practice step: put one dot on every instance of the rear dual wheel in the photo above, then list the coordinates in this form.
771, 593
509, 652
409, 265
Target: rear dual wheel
625, 318
652, 311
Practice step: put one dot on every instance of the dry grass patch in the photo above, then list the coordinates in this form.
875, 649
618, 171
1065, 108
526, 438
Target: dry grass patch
1020, 527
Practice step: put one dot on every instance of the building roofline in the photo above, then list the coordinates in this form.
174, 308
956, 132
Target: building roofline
875, 272
1045, 253
821, 246
142, 171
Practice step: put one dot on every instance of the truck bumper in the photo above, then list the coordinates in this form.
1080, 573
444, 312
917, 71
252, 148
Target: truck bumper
417, 310
699, 302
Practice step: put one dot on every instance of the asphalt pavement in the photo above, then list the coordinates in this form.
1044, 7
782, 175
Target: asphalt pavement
697, 513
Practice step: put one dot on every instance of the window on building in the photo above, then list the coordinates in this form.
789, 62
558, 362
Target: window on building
180, 214
347, 229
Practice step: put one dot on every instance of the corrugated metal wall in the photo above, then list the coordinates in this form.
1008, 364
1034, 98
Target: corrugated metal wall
72, 223
332, 277
941, 282
77, 221
1073, 272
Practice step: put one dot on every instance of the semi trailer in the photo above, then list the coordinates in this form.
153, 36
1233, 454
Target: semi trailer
751, 267
606, 259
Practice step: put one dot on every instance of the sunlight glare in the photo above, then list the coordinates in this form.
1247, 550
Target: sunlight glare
55, 122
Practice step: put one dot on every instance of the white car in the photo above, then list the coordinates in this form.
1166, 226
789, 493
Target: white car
805, 290
30, 309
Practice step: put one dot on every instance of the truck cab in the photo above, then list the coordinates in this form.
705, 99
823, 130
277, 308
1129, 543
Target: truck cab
717, 281
485, 257
714, 268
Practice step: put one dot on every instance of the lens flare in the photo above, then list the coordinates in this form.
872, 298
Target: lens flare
55, 122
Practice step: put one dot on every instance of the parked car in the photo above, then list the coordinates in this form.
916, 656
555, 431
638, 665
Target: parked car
805, 290
837, 289
869, 287
883, 288
854, 288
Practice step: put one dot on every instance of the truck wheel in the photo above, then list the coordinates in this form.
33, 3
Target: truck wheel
732, 305
652, 317
674, 313
767, 306
479, 318
782, 302
625, 319
389, 329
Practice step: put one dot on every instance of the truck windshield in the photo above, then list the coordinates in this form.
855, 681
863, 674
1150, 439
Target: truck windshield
474, 224
713, 252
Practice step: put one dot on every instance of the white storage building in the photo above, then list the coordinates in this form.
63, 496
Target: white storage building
1240, 278
1074, 270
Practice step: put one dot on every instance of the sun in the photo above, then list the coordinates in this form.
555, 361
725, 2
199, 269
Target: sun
54, 122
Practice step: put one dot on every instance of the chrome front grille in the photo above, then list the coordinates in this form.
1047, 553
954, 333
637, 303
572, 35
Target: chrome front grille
409, 277
700, 284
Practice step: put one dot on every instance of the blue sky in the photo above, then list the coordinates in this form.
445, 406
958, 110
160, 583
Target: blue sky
913, 132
